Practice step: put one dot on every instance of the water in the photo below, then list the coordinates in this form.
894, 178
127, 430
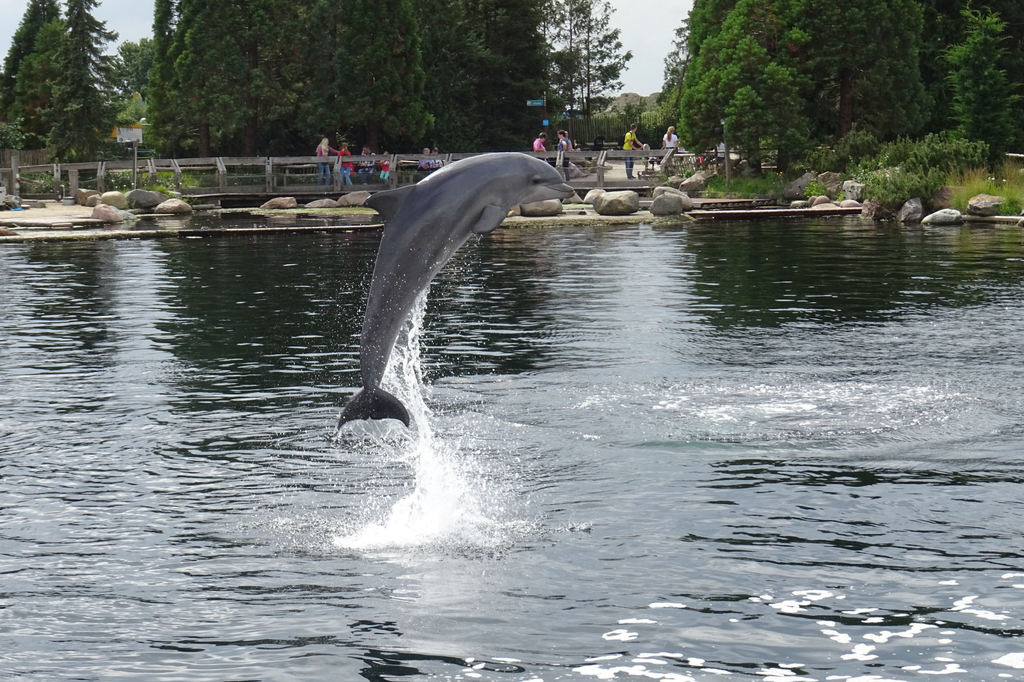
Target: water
787, 451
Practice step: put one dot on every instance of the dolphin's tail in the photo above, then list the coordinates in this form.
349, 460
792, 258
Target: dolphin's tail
374, 403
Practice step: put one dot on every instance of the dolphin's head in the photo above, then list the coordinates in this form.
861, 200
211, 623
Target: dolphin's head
542, 181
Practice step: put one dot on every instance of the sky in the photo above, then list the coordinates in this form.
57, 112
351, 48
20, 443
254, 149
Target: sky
648, 27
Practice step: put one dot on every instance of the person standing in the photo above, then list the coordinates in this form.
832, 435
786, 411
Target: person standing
540, 144
564, 146
346, 166
671, 140
323, 168
629, 143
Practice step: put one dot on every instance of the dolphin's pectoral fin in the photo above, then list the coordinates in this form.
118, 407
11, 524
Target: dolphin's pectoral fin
374, 403
489, 219
388, 202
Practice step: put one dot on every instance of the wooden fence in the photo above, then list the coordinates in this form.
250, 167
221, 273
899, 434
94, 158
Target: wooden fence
256, 177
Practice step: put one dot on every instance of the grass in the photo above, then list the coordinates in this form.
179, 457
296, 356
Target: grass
1007, 182
769, 184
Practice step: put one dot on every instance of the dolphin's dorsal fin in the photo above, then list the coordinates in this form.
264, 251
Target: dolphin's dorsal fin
388, 202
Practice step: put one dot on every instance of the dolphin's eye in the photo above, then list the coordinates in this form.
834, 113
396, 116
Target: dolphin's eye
537, 180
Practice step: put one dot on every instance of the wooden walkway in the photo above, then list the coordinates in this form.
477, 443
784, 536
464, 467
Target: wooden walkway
256, 179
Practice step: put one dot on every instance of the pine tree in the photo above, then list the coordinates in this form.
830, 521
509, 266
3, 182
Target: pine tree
383, 69
37, 15
982, 99
33, 88
512, 69
81, 113
587, 58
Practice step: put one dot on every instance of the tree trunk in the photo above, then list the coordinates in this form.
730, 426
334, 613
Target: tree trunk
204, 139
845, 101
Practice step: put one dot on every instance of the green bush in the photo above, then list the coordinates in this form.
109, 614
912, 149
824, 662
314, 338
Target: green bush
814, 189
942, 152
893, 187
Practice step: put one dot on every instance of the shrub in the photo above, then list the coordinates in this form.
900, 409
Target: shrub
892, 188
1007, 182
942, 152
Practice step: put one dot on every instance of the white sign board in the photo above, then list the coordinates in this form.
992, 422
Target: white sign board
129, 134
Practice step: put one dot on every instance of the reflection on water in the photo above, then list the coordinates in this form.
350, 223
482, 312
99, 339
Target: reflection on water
762, 450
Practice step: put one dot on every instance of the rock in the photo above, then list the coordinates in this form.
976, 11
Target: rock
683, 196
93, 200
592, 196
172, 207
625, 202
145, 199
853, 190
874, 209
911, 212
675, 180
106, 213
849, 203
667, 203
820, 199
278, 203
832, 182
541, 209
574, 199
796, 189
4, 232
323, 203
800, 203
353, 198
115, 199
985, 205
695, 183
942, 197
82, 196
944, 216
824, 206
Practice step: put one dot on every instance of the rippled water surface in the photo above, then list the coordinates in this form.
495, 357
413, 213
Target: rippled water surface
780, 451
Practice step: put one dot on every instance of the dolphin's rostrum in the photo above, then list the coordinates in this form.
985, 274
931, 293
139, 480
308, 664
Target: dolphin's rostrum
425, 224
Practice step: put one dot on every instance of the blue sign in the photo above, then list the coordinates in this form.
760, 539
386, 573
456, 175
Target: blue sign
534, 102
546, 122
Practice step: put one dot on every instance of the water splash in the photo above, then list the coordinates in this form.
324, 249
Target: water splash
454, 502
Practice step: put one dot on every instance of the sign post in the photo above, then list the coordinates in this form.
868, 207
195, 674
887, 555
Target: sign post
132, 134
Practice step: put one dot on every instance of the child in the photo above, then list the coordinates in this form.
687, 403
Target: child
385, 168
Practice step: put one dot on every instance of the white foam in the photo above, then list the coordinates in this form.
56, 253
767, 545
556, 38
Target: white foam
1012, 660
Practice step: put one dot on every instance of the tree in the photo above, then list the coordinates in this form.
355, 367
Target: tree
862, 65
587, 57
982, 99
742, 77
385, 66
132, 67
33, 88
512, 68
23, 43
676, 63
81, 113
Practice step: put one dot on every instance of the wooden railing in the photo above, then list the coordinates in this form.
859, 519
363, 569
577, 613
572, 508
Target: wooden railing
218, 177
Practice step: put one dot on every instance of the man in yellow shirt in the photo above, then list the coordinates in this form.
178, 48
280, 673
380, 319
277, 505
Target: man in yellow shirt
630, 143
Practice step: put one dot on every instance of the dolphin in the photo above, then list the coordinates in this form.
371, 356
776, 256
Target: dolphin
425, 224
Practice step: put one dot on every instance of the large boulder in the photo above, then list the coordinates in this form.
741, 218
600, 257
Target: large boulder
541, 209
944, 216
832, 182
911, 212
592, 196
853, 190
323, 203
172, 207
353, 198
695, 183
683, 196
850, 203
278, 203
625, 202
874, 209
107, 214
145, 199
796, 189
823, 206
819, 200
985, 205
93, 200
82, 196
943, 197
666, 204
115, 199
